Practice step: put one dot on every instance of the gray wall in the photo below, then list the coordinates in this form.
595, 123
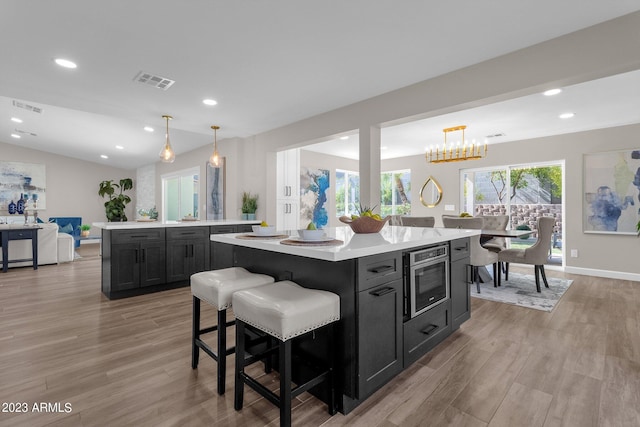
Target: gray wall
72, 184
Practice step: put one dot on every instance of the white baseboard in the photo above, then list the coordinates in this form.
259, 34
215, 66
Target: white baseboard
603, 273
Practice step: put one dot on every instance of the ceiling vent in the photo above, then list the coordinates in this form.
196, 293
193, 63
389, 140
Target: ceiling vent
495, 135
24, 132
28, 107
153, 80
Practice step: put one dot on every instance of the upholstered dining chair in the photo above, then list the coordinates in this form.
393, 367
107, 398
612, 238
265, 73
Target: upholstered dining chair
418, 221
495, 222
536, 255
480, 256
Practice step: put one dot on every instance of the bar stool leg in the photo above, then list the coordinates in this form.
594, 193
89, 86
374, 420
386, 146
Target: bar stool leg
195, 332
285, 383
222, 349
239, 382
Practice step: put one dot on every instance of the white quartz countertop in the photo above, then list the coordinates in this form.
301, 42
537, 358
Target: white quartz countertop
390, 239
160, 224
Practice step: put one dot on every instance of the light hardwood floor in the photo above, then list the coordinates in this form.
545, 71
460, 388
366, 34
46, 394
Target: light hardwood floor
127, 362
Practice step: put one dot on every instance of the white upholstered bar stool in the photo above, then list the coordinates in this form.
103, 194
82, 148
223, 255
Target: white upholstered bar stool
216, 288
283, 310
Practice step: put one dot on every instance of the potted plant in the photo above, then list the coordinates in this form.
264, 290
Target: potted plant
249, 206
84, 230
114, 207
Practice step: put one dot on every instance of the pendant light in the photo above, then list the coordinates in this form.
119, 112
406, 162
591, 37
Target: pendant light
166, 154
214, 160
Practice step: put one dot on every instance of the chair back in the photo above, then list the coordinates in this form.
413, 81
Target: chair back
538, 254
418, 221
479, 255
472, 223
496, 222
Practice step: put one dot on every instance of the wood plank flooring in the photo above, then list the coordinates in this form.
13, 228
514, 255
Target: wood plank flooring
127, 362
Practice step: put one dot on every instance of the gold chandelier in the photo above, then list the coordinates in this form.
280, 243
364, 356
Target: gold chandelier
214, 160
449, 153
166, 154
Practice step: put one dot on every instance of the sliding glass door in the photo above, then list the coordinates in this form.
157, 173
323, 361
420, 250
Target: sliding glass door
180, 194
524, 192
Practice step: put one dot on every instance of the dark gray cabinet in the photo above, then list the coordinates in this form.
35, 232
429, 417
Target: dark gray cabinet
222, 258
459, 281
424, 332
137, 259
379, 318
187, 252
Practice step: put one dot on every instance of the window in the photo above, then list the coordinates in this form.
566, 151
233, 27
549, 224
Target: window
180, 194
395, 193
523, 192
347, 193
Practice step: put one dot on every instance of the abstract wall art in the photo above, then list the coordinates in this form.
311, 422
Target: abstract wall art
215, 190
611, 202
314, 184
27, 179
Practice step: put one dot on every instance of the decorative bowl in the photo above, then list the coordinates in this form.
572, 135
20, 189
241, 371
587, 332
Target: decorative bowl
311, 234
259, 230
365, 224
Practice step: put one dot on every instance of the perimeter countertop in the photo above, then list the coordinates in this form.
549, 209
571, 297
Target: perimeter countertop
389, 239
128, 225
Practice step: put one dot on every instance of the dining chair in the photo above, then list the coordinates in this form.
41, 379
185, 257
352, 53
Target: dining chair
495, 222
536, 255
417, 221
480, 257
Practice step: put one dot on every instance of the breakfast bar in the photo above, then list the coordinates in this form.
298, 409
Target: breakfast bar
378, 334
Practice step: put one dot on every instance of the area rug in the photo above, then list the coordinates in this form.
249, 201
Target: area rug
521, 290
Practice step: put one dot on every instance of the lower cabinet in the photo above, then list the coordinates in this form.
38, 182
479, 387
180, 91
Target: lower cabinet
187, 252
424, 332
137, 259
379, 336
459, 282
379, 321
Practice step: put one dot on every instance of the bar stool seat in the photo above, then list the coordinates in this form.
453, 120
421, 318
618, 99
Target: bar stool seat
283, 310
216, 288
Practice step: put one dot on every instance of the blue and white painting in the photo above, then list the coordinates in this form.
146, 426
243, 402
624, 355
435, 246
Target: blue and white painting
612, 192
314, 184
23, 179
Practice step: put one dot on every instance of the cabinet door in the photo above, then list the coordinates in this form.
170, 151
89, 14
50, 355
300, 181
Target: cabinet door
152, 265
288, 217
460, 292
178, 257
199, 260
379, 336
125, 266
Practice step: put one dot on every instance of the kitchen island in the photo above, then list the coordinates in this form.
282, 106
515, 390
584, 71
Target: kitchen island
140, 257
375, 340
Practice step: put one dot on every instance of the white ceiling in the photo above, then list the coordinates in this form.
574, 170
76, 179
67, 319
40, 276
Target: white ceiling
267, 64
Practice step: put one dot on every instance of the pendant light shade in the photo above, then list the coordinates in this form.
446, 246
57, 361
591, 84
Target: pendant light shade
166, 154
214, 160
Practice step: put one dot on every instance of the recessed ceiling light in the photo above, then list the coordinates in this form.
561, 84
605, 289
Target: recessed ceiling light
104, 156
65, 63
209, 102
148, 128
119, 147
566, 115
15, 135
344, 137
551, 92
15, 119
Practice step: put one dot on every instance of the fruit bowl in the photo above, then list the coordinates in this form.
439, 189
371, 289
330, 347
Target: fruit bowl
260, 230
365, 224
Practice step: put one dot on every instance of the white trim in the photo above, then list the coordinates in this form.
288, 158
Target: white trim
621, 275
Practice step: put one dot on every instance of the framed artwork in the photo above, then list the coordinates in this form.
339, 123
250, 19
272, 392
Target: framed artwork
28, 179
611, 203
215, 190
314, 184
